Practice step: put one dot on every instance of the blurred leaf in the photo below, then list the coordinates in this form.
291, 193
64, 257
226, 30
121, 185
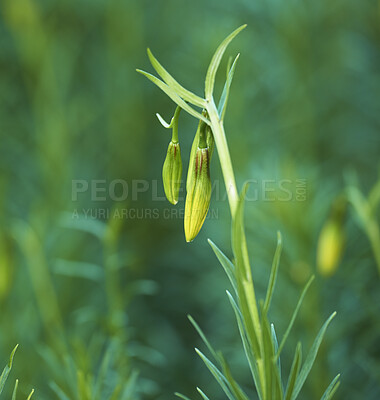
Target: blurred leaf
311, 358
7, 370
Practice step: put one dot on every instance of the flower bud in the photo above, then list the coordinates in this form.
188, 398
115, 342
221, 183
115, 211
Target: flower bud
209, 145
172, 168
331, 240
172, 172
198, 187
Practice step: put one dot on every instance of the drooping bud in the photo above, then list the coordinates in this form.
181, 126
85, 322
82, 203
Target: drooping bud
194, 147
331, 240
172, 172
198, 185
172, 168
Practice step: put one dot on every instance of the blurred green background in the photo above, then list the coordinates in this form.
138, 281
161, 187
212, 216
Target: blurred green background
98, 304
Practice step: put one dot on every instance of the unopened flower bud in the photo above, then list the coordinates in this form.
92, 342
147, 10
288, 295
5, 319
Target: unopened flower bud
198, 187
172, 172
331, 240
172, 169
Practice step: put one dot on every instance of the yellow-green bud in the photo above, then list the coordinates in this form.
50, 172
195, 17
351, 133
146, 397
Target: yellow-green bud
331, 240
198, 187
209, 143
172, 169
172, 172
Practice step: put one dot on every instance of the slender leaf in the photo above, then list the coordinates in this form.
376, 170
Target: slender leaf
181, 396
217, 374
202, 394
171, 82
58, 391
226, 264
234, 386
174, 96
247, 347
246, 294
30, 395
6, 371
215, 61
273, 274
311, 357
296, 365
222, 106
14, 394
294, 316
331, 389
203, 337
275, 345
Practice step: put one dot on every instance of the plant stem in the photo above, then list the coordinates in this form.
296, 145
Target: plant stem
224, 156
233, 199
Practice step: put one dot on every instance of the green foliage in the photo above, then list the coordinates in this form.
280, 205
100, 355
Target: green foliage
258, 335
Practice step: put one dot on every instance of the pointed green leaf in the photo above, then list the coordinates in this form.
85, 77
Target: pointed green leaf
234, 386
246, 294
217, 374
203, 337
174, 96
275, 345
30, 395
286, 334
273, 274
332, 388
311, 357
171, 82
7, 370
294, 372
215, 61
222, 106
226, 264
247, 347
202, 394
14, 394
181, 396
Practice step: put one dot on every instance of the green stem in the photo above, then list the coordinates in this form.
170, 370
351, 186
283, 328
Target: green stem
233, 199
224, 156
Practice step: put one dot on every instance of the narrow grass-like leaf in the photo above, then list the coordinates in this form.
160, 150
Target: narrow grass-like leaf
277, 392
247, 347
14, 394
246, 294
222, 106
215, 61
30, 395
268, 355
220, 378
309, 361
202, 394
174, 96
203, 337
331, 389
273, 274
4, 375
170, 81
296, 365
181, 396
286, 334
58, 391
226, 264
275, 346
236, 390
